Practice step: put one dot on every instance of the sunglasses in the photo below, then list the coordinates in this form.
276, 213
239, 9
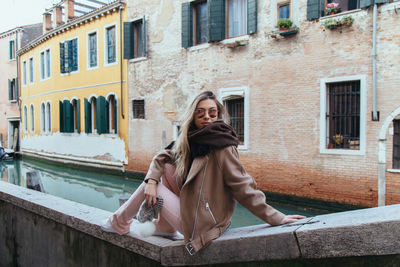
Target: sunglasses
201, 112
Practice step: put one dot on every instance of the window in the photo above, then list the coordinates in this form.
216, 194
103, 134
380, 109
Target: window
138, 109
31, 70
45, 64
92, 50
342, 117
76, 121
236, 103
25, 119
48, 117
284, 10
42, 118
135, 39
316, 9
13, 89
69, 56
112, 114
12, 49
110, 45
209, 21
97, 116
24, 79
32, 118
237, 17
396, 144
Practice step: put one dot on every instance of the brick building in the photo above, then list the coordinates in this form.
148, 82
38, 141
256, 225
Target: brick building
311, 121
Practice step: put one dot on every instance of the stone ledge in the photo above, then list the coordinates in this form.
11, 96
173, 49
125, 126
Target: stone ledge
367, 232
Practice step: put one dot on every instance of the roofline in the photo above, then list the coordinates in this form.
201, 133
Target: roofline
16, 29
95, 14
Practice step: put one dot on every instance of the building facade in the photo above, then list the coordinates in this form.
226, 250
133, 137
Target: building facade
315, 107
10, 42
73, 87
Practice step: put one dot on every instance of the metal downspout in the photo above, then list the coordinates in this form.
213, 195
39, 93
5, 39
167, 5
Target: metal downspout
374, 22
120, 64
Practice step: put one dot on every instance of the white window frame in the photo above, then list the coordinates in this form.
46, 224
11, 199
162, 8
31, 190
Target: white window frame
323, 125
31, 74
32, 118
227, 19
77, 58
93, 112
225, 93
110, 112
42, 117
106, 64
15, 49
48, 116
88, 49
24, 73
47, 69
25, 118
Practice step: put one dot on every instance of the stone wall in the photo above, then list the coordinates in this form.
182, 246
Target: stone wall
283, 79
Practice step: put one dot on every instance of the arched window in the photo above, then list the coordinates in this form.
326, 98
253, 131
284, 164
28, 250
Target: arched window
93, 113
112, 111
32, 118
76, 110
42, 118
25, 119
48, 117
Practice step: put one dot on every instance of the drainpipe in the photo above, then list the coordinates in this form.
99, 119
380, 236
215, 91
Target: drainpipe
120, 64
374, 22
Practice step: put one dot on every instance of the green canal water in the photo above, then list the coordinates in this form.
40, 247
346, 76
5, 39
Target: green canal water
103, 191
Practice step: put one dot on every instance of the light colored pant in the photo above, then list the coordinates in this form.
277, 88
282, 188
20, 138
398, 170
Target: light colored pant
169, 219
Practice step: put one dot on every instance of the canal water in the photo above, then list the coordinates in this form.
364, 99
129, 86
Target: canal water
103, 191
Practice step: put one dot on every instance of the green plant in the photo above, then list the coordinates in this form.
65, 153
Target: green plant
347, 20
285, 24
332, 23
332, 8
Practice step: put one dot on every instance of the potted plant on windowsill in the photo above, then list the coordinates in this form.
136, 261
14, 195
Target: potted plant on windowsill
332, 8
335, 23
286, 27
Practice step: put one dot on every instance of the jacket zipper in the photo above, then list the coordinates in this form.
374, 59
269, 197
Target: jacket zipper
198, 203
209, 210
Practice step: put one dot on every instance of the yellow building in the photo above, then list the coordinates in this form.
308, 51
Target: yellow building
74, 85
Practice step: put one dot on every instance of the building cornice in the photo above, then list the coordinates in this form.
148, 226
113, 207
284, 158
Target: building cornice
10, 32
77, 22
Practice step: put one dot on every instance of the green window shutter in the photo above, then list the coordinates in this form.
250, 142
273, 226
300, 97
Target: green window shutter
187, 24
16, 88
216, 11
62, 58
115, 115
251, 16
366, 3
101, 114
78, 115
314, 8
144, 37
128, 40
61, 117
74, 56
107, 119
10, 94
88, 116
68, 117
70, 56
10, 52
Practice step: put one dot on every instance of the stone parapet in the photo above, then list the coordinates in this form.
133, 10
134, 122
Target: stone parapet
69, 233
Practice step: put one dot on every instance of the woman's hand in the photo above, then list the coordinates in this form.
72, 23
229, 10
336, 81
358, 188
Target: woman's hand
150, 192
291, 218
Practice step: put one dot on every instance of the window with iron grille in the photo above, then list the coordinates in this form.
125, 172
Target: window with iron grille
235, 108
396, 144
343, 115
138, 109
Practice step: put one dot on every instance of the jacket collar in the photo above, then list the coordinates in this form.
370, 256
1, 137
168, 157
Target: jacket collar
197, 165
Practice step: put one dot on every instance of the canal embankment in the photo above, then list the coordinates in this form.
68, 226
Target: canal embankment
38, 229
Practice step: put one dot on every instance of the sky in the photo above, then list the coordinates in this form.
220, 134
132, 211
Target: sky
15, 13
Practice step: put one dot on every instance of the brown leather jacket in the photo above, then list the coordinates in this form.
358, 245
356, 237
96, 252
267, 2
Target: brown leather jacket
208, 196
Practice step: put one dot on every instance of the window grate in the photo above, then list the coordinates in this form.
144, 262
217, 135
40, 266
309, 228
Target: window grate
396, 144
343, 116
235, 108
138, 109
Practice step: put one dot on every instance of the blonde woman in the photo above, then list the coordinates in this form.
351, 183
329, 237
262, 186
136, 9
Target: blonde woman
199, 178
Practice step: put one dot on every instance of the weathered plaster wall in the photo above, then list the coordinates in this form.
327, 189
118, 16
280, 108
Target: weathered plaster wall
283, 78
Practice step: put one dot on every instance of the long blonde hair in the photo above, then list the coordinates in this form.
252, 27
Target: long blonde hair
181, 147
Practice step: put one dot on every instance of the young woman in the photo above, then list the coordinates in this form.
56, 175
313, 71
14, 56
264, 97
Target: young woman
202, 178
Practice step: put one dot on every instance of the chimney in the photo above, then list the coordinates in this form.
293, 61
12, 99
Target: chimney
69, 9
47, 22
57, 16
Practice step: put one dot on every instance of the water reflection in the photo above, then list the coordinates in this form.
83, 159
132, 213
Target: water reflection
101, 190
